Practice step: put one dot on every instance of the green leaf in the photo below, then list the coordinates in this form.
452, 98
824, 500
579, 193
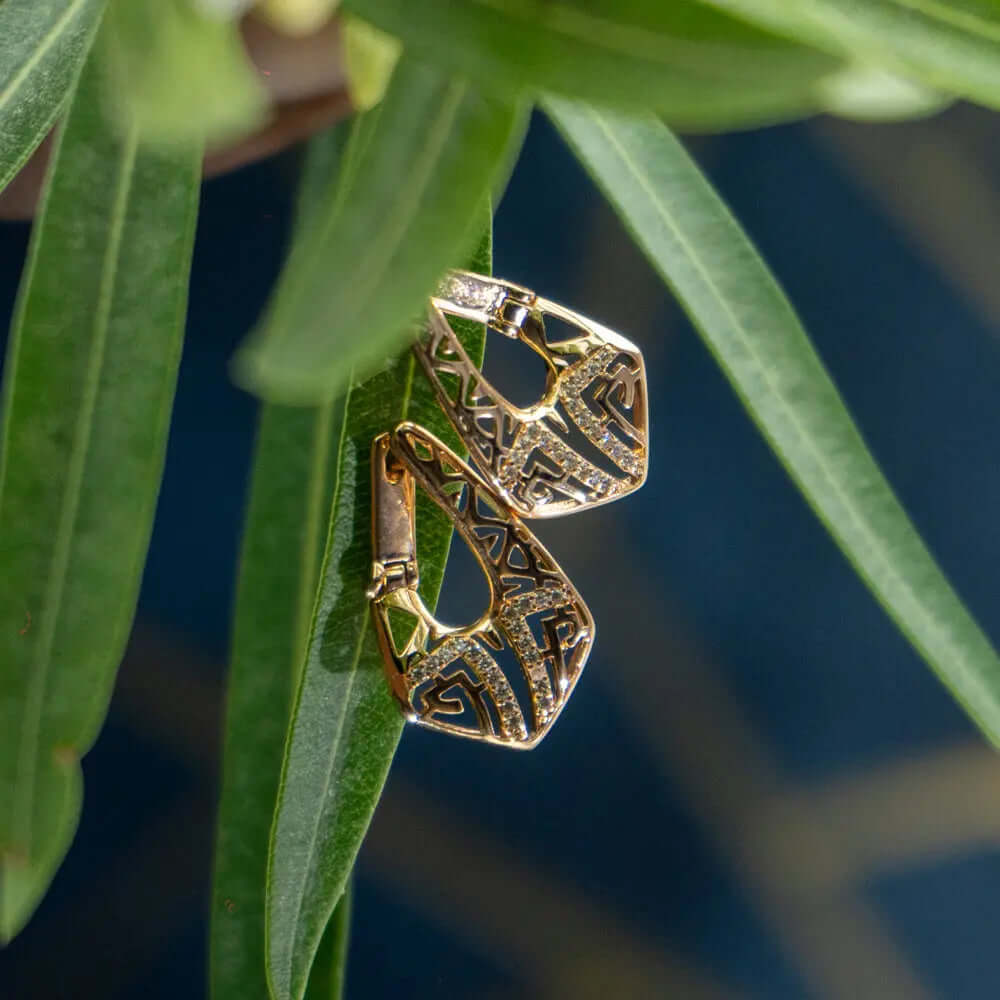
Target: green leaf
345, 724
283, 544
737, 306
696, 66
43, 44
329, 970
88, 386
284, 539
868, 94
949, 45
180, 74
416, 169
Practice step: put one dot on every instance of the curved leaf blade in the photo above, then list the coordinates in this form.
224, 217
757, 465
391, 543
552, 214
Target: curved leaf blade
950, 45
698, 67
286, 529
417, 168
737, 306
284, 538
43, 44
345, 725
88, 387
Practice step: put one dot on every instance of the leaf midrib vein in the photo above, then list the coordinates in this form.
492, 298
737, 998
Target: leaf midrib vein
338, 733
38, 681
48, 40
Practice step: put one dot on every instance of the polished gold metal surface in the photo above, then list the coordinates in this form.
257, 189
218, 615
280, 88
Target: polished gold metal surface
450, 678
595, 383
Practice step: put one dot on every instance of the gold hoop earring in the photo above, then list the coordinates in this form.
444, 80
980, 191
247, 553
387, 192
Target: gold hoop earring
448, 678
595, 381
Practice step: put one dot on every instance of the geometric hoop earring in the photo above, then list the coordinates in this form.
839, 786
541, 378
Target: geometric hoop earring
595, 382
451, 678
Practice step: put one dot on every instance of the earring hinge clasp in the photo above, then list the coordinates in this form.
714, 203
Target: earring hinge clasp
510, 314
394, 537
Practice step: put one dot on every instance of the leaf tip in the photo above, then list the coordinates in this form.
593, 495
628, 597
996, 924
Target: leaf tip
21, 889
274, 377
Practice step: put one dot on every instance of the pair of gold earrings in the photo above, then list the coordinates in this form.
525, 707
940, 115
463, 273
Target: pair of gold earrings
449, 678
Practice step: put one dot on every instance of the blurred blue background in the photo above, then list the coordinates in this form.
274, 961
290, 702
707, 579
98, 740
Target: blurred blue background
758, 789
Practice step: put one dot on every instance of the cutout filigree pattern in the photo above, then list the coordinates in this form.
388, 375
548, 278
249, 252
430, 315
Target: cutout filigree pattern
451, 678
595, 381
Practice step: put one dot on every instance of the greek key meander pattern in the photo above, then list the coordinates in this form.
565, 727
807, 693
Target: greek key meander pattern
447, 671
520, 450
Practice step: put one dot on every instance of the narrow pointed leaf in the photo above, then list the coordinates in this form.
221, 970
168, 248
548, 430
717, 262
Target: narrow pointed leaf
952, 45
88, 386
329, 970
737, 306
345, 725
43, 44
418, 167
287, 523
294, 466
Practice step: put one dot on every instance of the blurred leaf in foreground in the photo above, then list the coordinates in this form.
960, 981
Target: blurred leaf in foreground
951, 46
868, 94
180, 74
416, 169
698, 67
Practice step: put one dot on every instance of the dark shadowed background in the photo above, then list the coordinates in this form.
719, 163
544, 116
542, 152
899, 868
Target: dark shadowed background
758, 789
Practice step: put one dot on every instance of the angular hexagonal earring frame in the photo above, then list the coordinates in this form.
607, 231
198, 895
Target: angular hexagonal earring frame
595, 381
449, 678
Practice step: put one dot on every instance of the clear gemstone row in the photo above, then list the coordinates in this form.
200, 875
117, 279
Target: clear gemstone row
471, 294
513, 621
579, 375
540, 599
535, 435
573, 382
460, 647
436, 660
